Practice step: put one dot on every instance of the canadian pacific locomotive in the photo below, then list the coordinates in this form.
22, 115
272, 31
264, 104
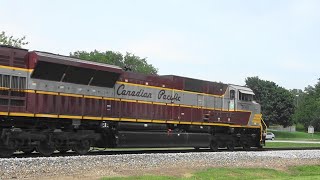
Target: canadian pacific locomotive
50, 102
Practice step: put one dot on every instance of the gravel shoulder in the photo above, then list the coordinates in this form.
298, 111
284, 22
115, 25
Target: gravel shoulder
173, 164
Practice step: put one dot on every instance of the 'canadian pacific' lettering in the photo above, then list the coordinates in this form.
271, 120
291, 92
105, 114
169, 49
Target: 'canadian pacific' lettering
122, 91
162, 95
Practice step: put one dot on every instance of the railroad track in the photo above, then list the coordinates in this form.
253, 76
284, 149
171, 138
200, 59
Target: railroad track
119, 162
148, 151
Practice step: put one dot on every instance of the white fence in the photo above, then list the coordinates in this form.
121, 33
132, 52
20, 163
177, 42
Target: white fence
281, 128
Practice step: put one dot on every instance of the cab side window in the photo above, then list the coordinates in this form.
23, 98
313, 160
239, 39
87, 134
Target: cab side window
245, 97
232, 94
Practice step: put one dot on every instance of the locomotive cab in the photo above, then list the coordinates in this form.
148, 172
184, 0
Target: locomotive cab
241, 98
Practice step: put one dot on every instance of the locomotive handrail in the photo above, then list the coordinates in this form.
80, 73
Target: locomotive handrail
264, 124
263, 128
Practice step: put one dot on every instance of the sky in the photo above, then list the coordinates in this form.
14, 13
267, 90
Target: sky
225, 40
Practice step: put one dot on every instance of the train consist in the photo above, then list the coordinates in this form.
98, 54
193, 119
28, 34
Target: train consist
50, 102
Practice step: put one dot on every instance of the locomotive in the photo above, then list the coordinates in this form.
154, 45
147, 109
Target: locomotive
50, 102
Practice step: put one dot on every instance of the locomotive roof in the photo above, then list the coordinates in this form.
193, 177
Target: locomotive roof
73, 59
116, 69
183, 77
242, 89
55, 67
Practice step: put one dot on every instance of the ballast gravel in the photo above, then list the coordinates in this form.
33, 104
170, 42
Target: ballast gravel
173, 164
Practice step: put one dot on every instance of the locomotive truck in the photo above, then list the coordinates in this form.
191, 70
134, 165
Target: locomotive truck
50, 102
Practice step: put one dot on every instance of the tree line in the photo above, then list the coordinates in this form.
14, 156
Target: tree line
128, 61
278, 105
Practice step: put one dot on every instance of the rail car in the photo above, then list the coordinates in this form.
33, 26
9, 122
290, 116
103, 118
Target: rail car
50, 102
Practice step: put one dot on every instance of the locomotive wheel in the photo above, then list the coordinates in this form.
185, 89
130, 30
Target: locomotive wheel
82, 147
45, 148
214, 146
246, 146
230, 146
6, 152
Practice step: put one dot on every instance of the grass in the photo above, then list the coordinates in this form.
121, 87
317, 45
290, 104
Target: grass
280, 135
289, 145
295, 135
297, 172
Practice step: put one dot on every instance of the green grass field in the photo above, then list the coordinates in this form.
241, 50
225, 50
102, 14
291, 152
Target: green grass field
298, 172
295, 135
289, 145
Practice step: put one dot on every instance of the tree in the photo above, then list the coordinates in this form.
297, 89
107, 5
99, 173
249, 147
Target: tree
308, 111
277, 103
129, 61
11, 41
299, 96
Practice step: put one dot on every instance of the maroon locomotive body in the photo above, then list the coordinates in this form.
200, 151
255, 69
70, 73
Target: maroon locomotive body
51, 102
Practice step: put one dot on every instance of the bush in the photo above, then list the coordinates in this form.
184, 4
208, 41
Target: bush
300, 127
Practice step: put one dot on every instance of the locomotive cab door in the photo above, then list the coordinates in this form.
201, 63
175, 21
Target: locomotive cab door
232, 104
232, 100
